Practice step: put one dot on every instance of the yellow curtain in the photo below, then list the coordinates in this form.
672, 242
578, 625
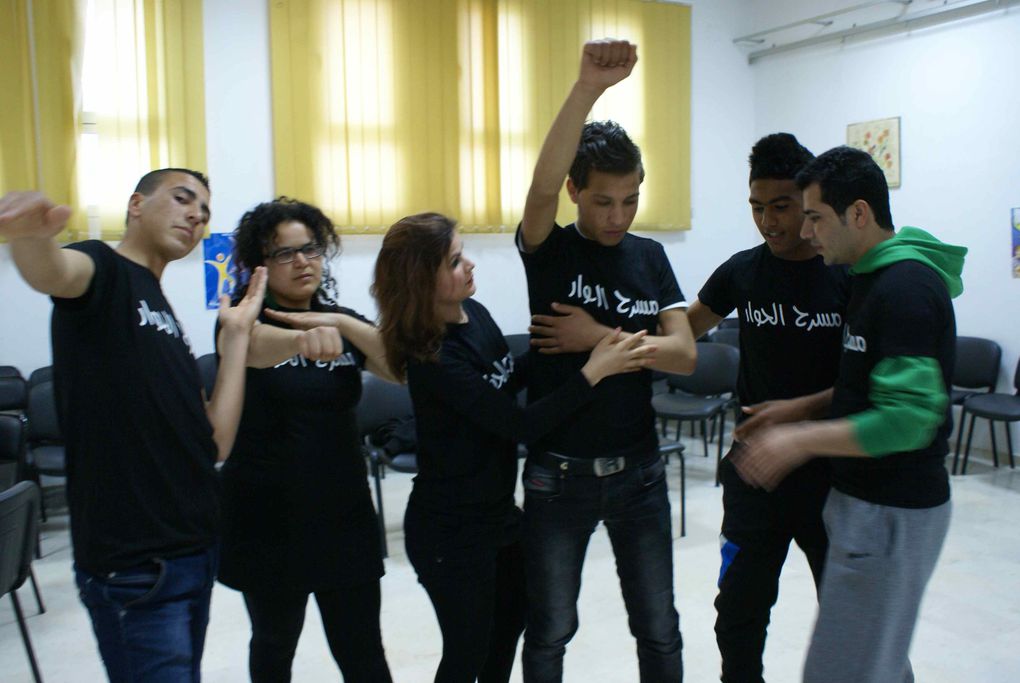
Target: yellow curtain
143, 100
383, 108
40, 45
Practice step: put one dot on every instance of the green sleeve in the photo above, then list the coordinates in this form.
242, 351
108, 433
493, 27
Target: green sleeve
908, 398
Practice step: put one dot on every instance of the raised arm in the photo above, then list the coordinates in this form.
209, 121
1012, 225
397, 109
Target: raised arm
31, 221
227, 400
701, 319
603, 64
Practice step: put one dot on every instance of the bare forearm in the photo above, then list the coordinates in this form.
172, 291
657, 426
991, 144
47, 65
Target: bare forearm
673, 354
270, 345
367, 338
833, 438
51, 270
227, 400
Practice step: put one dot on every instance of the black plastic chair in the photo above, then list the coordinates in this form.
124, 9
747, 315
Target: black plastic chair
726, 335
13, 393
43, 374
519, 343
383, 403
677, 448
975, 373
45, 440
208, 366
729, 323
19, 517
12, 458
703, 395
994, 408
9, 371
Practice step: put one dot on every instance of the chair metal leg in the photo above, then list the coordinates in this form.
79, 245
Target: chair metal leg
1009, 444
35, 589
966, 452
718, 455
995, 448
704, 435
683, 496
959, 437
23, 627
376, 466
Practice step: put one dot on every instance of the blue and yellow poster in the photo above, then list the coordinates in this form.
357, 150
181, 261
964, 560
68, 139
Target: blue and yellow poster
1016, 242
220, 273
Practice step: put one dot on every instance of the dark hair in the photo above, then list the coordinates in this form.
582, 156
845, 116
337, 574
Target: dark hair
253, 238
844, 175
778, 157
605, 147
151, 181
406, 272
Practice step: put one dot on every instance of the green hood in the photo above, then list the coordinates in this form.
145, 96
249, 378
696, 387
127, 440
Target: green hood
914, 244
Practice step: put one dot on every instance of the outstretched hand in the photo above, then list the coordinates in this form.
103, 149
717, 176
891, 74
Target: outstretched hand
615, 354
606, 62
31, 214
764, 460
767, 414
242, 317
573, 330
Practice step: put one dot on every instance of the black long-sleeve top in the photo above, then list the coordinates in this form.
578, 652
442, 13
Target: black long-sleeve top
469, 421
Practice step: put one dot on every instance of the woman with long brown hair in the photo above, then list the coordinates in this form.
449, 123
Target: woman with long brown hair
462, 525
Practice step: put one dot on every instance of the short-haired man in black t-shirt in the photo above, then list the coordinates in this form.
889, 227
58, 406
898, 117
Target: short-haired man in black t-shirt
601, 464
140, 440
790, 306
888, 511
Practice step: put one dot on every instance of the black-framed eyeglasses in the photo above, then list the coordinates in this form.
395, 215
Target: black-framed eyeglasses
284, 256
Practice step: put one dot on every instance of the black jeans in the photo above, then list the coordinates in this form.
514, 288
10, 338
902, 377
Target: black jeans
756, 532
560, 515
350, 618
476, 585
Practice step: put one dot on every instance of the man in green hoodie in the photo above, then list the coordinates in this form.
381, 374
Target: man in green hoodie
888, 511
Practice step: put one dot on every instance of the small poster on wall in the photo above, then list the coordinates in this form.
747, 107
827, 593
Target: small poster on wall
881, 139
1015, 230
220, 273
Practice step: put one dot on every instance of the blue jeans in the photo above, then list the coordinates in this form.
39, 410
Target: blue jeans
150, 620
560, 514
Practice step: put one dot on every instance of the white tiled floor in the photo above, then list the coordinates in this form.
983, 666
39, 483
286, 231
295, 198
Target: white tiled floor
969, 629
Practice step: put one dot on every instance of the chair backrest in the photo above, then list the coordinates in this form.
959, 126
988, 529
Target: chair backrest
1016, 378
977, 363
729, 323
519, 343
381, 402
43, 374
726, 335
9, 371
12, 449
715, 373
208, 366
41, 413
13, 393
19, 515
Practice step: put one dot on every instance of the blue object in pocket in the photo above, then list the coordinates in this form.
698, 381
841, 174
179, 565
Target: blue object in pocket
728, 550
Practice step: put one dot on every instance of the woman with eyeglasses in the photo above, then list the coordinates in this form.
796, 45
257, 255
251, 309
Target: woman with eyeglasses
299, 515
461, 527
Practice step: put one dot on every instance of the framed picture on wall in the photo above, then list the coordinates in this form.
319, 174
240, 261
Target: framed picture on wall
881, 139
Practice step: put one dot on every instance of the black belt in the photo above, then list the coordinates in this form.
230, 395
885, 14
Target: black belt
565, 465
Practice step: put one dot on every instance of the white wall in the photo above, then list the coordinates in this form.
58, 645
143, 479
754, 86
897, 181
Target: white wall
956, 88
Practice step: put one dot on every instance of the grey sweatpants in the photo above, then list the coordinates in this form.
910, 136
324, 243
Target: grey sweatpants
879, 562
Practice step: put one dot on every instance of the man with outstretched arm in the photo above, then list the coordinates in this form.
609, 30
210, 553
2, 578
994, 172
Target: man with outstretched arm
603, 464
141, 441
888, 511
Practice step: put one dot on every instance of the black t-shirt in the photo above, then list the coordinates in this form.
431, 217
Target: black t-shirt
791, 320
624, 286
901, 310
296, 499
140, 453
469, 422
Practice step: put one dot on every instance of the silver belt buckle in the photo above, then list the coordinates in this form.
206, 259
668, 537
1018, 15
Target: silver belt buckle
605, 466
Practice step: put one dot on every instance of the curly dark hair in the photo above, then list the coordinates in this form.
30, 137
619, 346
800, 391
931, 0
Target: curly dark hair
406, 273
253, 239
605, 147
778, 157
